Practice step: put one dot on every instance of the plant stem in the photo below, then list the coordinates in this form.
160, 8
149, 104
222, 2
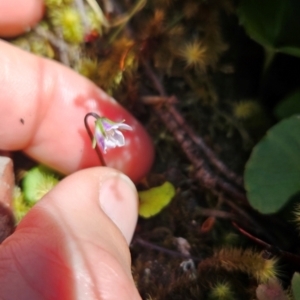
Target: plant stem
98, 151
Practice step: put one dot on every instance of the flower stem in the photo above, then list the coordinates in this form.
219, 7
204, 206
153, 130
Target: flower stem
98, 151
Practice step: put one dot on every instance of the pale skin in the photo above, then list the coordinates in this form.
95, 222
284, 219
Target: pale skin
74, 243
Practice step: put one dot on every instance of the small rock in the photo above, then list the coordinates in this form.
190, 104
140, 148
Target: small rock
7, 181
6, 194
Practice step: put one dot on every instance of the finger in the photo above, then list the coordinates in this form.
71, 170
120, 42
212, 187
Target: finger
68, 247
42, 108
17, 16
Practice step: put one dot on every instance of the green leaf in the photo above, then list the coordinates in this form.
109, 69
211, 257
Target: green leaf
296, 286
154, 200
274, 24
272, 173
37, 182
288, 106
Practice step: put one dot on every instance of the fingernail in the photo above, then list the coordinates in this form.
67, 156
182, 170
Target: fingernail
118, 200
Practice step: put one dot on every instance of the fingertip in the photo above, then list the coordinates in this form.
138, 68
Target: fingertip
70, 245
118, 200
17, 16
98, 194
97, 209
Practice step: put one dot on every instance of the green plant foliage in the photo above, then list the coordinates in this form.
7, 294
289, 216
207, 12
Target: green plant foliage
272, 173
221, 290
21, 207
274, 24
37, 182
154, 200
288, 106
296, 286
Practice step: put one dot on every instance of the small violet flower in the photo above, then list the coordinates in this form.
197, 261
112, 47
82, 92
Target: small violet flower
108, 135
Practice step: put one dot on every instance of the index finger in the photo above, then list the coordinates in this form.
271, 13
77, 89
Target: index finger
17, 16
42, 108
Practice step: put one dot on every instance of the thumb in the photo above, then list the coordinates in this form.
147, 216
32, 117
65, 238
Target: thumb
74, 243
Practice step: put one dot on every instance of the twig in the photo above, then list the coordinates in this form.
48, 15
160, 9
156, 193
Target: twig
202, 171
206, 150
162, 249
190, 143
208, 212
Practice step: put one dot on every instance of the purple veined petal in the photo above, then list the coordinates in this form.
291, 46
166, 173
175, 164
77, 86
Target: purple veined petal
106, 124
101, 141
99, 130
99, 137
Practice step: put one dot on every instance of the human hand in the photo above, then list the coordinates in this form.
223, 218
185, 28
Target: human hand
74, 243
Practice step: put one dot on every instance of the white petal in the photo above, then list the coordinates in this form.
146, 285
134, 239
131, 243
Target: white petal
110, 143
118, 138
123, 126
